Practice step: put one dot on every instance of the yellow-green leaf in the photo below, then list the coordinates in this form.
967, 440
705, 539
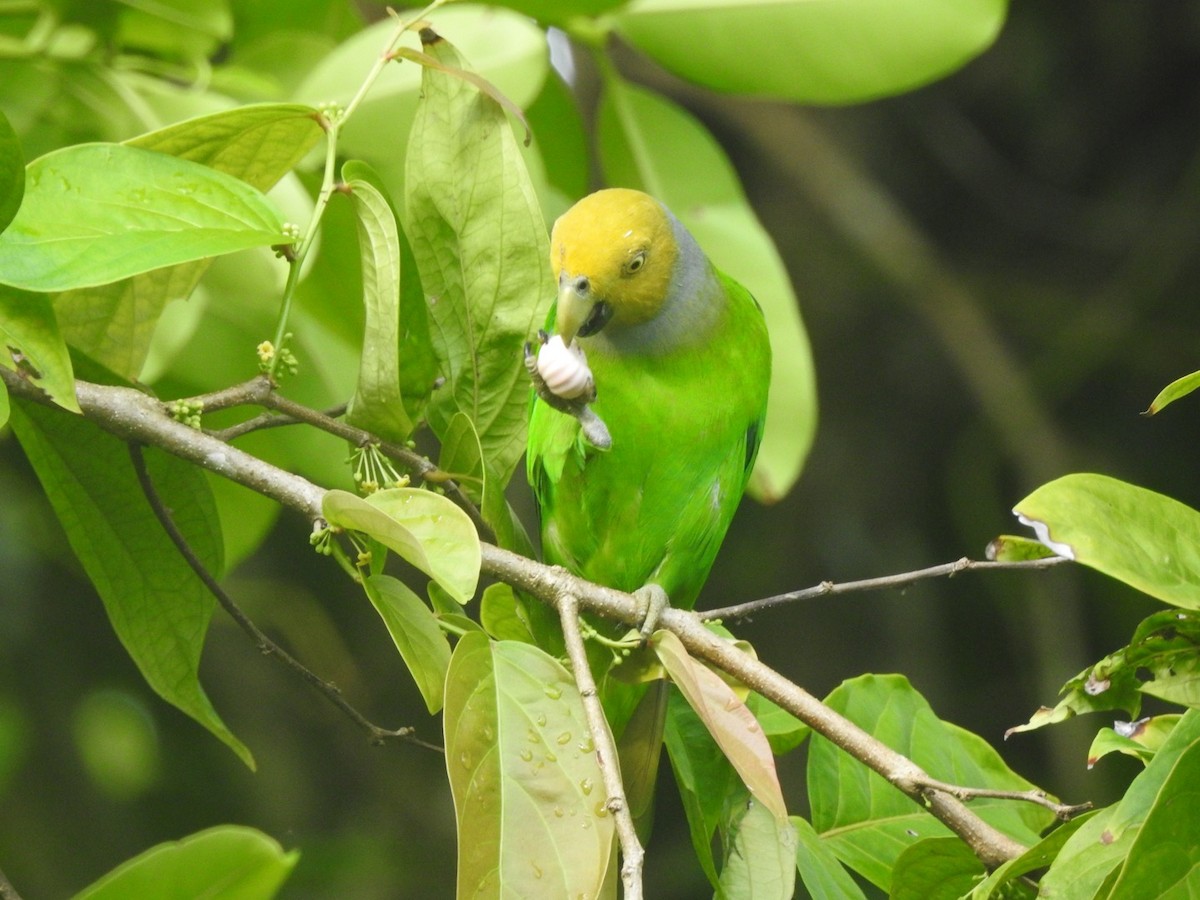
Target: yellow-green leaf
528, 794
425, 528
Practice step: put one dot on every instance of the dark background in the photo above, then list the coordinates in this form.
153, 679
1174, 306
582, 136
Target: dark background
1016, 292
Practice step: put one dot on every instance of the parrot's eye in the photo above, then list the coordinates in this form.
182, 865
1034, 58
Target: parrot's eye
636, 262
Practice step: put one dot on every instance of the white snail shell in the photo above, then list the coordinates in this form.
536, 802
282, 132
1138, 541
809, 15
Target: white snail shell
564, 369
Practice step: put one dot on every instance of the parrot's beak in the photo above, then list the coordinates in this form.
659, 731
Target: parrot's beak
579, 313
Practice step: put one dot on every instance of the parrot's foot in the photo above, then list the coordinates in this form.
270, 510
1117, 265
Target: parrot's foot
652, 600
593, 426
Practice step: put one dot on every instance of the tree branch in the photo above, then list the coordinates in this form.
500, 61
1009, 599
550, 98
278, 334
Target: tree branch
902, 579
268, 647
632, 852
134, 416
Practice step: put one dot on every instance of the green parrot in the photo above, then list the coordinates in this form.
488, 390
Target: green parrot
679, 363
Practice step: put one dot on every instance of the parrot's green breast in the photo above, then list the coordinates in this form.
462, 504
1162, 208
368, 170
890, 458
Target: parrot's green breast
685, 428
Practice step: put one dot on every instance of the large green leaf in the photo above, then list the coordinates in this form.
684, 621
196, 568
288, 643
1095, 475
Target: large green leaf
528, 793
377, 404
866, 821
832, 52
649, 143
1164, 860
28, 327
1006, 880
12, 172
820, 871
1095, 854
425, 528
483, 253
96, 213
760, 859
113, 323
415, 632
1145, 539
941, 868
230, 861
158, 607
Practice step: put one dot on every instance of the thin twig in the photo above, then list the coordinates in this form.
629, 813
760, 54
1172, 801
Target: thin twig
268, 647
252, 391
1064, 811
902, 579
632, 853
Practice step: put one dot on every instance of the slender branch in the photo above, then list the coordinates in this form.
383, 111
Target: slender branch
632, 853
134, 416
268, 647
902, 579
7, 891
1064, 811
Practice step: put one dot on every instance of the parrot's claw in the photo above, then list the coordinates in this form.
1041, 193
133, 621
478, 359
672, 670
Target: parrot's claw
652, 600
593, 426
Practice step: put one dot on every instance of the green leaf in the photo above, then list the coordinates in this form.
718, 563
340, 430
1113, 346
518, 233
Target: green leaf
1140, 739
649, 143
1162, 660
1164, 860
462, 458
157, 605
377, 404
425, 528
483, 253
866, 821
560, 147
561, 11
704, 777
96, 213
502, 616
935, 869
12, 172
1093, 855
5, 408
1147, 540
528, 794
416, 634
257, 144
506, 48
1003, 881
114, 323
1180, 387
230, 861
820, 871
844, 52
760, 863
731, 724
28, 326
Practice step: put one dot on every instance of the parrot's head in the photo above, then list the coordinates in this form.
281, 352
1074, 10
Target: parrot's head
616, 254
